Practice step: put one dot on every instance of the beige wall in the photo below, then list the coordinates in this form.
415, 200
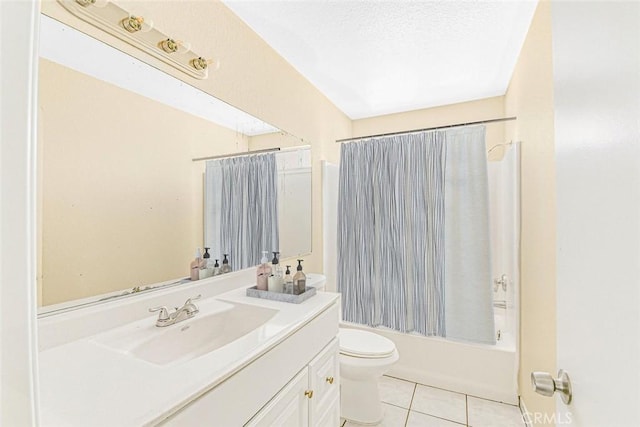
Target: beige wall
121, 199
489, 108
530, 97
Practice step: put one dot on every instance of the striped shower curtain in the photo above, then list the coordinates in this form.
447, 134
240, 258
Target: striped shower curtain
241, 208
413, 234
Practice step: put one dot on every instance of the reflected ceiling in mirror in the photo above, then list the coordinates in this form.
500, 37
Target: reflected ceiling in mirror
120, 205
69, 47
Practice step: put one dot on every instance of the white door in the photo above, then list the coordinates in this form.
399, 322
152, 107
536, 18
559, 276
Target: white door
596, 49
19, 24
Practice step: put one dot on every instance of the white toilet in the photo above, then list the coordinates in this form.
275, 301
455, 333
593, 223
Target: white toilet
364, 358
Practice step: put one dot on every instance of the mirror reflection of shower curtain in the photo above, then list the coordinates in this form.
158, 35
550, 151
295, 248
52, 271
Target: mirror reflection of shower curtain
241, 208
413, 234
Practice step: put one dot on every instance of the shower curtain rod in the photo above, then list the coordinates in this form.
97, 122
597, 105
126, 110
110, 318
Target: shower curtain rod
504, 119
248, 153
242, 153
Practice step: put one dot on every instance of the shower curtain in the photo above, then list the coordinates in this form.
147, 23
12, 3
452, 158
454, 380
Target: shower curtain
241, 208
413, 234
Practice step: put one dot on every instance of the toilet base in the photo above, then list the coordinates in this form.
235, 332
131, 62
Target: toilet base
360, 401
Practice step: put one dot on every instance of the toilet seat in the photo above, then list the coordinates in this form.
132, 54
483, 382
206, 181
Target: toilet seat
364, 345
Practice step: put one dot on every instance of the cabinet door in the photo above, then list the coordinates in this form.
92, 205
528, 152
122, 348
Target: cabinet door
289, 408
331, 416
324, 380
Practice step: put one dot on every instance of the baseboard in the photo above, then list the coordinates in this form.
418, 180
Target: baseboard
523, 410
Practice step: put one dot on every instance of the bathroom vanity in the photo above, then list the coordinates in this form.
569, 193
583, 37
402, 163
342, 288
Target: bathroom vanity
237, 361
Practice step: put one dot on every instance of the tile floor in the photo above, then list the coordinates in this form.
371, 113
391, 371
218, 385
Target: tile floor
408, 404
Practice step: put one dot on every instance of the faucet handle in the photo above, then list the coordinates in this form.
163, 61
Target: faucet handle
190, 306
189, 301
164, 313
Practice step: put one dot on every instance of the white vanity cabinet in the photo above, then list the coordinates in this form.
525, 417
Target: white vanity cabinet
311, 398
270, 391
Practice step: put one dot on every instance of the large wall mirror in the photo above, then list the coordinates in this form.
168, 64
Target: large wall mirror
121, 199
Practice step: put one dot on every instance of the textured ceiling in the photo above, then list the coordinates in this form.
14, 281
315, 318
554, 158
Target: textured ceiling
379, 57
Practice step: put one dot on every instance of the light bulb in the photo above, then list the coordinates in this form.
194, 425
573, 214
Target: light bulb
96, 3
172, 46
202, 64
135, 23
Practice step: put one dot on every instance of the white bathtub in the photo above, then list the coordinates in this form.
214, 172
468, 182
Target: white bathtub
487, 371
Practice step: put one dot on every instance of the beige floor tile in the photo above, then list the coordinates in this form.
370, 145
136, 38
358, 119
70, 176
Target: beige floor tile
440, 403
393, 417
417, 419
486, 413
396, 392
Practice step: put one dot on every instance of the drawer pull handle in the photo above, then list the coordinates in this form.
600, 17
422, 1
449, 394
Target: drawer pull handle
309, 393
329, 380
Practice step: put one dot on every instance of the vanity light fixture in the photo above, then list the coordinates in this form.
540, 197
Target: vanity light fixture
96, 3
137, 30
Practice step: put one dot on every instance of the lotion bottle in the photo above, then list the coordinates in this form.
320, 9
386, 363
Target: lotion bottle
204, 272
263, 272
195, 266
271, 284
299, 280
288, 281
277, 271
226, 267
211, 267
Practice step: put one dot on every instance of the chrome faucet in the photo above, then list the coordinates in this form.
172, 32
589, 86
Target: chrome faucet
187, 311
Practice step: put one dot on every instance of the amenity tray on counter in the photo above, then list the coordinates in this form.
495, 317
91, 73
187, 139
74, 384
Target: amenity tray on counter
254, 292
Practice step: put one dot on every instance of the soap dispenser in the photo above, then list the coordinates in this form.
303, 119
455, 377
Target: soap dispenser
211, 267
195, 266
204, 271
226, 267
288, 281
216, 268
263, 272
299, 280
278, 277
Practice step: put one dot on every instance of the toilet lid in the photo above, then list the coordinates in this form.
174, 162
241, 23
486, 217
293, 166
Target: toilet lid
358, 343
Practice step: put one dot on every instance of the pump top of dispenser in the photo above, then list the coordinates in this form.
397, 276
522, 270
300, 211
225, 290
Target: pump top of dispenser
206, 253
288, 271
225, 260
275, 258
216, 264
299, 267
264, 258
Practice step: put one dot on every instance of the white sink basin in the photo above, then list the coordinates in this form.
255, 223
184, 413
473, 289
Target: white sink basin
186, 340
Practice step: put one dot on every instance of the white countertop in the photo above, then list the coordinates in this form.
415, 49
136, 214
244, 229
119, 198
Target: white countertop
83, 383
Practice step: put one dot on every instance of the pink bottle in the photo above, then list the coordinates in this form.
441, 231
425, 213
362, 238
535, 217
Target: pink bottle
263, 272
195, 266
